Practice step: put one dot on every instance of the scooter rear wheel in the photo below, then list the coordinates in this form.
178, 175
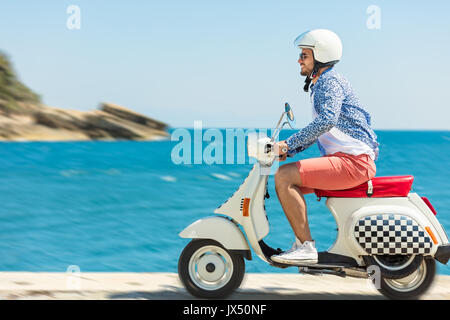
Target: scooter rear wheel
395, 266
411, 286
208, 270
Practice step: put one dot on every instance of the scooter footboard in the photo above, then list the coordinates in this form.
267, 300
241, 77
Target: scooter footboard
219, 229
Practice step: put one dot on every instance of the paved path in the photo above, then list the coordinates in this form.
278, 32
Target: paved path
155, 286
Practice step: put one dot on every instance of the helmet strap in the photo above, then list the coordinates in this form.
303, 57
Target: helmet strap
317, 66
307, 84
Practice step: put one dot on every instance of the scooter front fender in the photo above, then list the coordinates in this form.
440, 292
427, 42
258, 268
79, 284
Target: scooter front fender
219, 229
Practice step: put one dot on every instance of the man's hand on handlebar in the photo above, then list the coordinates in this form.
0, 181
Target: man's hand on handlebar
281, 148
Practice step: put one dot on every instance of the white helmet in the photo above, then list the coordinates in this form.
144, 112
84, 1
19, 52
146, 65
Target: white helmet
325, 44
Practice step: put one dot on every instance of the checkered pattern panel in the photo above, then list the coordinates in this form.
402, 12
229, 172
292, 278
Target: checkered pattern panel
391, 234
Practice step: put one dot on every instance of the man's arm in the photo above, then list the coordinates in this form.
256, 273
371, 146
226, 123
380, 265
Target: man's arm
328, 102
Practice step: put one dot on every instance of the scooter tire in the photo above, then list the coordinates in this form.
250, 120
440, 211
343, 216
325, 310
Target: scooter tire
390, 289
192, 285
393, 273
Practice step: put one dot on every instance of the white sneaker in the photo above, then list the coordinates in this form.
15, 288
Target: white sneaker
297, 244
305, 253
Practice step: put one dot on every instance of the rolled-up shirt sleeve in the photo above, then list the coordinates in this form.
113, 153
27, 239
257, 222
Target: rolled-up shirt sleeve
328, 100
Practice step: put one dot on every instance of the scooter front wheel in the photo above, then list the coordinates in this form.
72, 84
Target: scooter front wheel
208, 270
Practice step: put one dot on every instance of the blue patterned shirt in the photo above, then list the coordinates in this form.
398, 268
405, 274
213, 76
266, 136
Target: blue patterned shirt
336, 106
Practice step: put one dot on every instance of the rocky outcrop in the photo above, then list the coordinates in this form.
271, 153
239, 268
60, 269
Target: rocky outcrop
110, 122
24, 118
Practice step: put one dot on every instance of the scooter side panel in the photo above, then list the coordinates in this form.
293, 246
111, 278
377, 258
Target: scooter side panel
217, 228
435, 226
348, 211
392, 234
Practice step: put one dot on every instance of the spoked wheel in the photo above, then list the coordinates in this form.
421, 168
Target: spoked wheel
208, 270
411, 286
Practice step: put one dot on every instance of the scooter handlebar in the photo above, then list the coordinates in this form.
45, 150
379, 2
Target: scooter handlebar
269, 148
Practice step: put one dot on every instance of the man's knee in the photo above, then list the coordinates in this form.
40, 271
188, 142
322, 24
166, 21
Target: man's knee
281, 176
286, 176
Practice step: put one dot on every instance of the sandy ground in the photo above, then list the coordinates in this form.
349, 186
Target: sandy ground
157, 286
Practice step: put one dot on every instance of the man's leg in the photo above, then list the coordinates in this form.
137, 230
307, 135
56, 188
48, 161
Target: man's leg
287, 183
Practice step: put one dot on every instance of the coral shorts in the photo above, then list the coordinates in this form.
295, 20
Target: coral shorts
338, 171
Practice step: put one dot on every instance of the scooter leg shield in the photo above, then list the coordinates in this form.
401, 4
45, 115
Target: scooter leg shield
220, 229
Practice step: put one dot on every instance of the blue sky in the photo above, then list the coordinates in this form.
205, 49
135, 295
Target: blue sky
230, 63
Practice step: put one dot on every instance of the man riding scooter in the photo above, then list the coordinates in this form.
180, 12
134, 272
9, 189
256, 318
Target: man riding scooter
341, 128
382, 225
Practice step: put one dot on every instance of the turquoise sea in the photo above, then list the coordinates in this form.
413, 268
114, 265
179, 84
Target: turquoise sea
119, 206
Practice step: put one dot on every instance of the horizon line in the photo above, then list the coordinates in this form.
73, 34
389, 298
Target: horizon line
384, 129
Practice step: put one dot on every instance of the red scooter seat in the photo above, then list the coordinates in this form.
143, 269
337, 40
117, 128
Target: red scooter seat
378, 187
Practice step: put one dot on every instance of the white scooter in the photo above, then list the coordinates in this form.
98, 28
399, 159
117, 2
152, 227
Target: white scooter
384, 231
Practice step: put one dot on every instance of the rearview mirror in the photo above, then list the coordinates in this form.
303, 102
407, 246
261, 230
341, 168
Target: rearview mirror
288, 110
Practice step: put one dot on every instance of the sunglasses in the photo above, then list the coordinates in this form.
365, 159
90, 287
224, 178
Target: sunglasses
303, 56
